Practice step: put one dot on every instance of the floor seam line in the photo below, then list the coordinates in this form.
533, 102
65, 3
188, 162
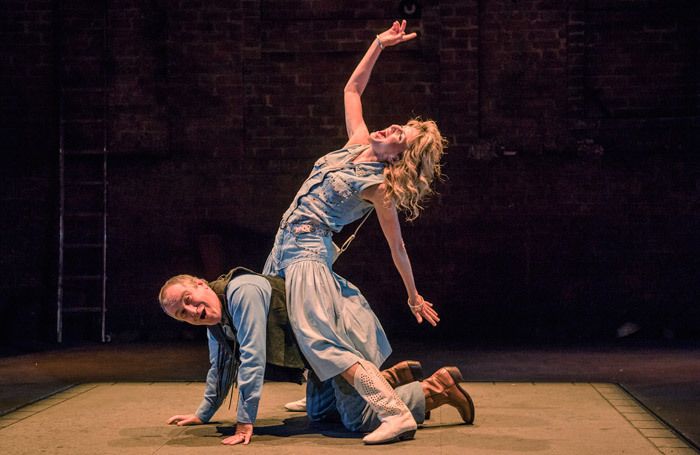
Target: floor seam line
632, 424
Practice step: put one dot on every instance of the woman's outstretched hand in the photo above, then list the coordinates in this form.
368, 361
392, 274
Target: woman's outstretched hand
422, 309
396, 34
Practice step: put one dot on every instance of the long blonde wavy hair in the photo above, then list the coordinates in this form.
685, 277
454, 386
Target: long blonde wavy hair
408, 180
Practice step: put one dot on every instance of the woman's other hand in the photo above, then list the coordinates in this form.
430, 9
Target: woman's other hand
422, 309
396, 34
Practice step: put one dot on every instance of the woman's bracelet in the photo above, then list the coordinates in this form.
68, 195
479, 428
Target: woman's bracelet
380, 42
416, 307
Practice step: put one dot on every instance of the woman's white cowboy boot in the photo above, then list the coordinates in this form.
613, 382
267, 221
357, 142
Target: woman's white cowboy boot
398, 375
397, 421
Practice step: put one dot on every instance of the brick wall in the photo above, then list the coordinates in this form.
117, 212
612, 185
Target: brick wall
216, 110
28, 127
523, 73
642, 73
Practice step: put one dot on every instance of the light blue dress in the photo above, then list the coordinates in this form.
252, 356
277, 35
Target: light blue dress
333, 323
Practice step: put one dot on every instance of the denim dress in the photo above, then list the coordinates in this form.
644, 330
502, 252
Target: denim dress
333, 323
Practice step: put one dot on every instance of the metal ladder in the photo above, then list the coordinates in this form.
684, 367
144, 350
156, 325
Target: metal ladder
82, 230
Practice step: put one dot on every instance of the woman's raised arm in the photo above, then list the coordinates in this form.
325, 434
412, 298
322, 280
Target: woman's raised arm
354, 122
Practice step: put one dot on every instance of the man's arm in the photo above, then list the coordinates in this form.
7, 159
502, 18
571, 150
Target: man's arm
249, 298
211, 402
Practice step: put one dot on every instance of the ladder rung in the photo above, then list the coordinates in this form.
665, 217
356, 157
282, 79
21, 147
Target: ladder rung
83, 89
81, 121
86, 152
82, 245
82, 277
84, 309
83, 214
85, 183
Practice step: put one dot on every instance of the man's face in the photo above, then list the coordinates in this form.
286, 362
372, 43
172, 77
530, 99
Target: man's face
196, 305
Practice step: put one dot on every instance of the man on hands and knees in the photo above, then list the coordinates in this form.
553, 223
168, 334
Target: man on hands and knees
247, 327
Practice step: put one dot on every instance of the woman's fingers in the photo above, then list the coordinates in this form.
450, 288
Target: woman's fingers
434, 315
397, 34
427, 313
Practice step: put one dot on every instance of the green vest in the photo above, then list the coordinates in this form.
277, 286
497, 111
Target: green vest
281, 344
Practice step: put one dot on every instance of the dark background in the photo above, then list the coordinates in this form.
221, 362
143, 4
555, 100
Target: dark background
573, 192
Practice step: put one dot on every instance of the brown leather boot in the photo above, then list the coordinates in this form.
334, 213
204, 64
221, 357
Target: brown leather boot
403, 373
443, 388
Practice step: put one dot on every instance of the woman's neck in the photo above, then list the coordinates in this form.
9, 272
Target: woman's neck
368, 155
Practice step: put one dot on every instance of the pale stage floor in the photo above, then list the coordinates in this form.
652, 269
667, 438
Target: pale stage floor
102, 399
541, 418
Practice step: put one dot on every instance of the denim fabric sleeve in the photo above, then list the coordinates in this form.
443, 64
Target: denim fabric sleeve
249, 302
211, 402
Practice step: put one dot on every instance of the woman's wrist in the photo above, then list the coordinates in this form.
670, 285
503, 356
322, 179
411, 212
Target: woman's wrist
415, 303
381, 45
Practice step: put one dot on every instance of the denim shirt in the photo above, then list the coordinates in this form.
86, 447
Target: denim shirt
331, 196
248, 298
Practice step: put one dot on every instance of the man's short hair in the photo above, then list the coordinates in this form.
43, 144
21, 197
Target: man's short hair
185, 280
